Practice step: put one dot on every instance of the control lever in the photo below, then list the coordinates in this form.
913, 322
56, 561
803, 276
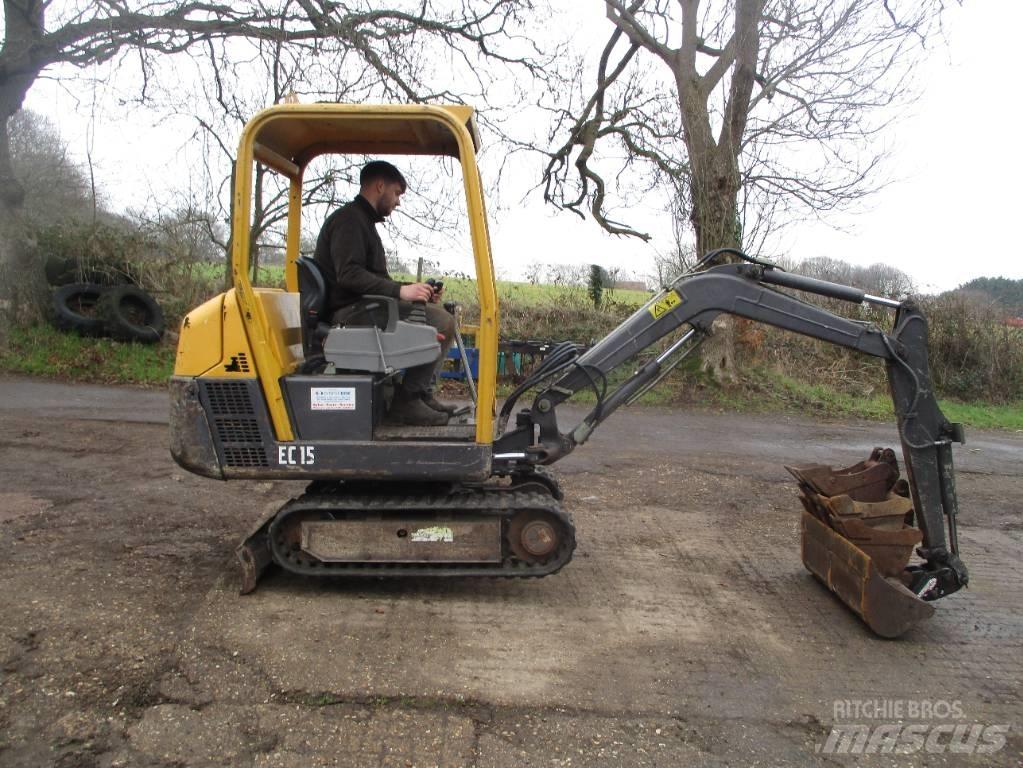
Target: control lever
456, 311
418, 313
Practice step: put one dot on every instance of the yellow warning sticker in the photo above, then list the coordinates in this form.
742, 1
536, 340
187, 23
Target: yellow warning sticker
664, 305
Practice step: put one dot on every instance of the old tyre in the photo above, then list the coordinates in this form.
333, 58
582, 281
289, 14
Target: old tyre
75, 308
130, 314
61, 271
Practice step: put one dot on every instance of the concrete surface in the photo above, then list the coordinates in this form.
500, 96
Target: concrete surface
685, 632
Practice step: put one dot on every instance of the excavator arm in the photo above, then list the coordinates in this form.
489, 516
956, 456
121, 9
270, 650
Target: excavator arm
750, 290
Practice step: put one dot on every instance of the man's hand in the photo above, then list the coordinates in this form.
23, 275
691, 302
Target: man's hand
416, 292
437, 293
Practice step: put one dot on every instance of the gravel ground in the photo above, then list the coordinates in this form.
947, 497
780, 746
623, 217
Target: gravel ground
685, 631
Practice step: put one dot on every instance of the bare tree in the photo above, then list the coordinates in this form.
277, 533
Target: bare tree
680, 256
738, 106
182, 236
396, 46
738, 110
54, 185
534, 272
883, 279
228, 90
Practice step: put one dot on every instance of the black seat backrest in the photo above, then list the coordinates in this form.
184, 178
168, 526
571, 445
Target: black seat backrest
312, 302
312, 288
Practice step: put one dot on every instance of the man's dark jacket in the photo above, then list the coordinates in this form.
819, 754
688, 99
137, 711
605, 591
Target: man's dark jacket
351, 255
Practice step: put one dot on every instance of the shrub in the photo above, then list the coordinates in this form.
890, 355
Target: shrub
165, 258
974, 353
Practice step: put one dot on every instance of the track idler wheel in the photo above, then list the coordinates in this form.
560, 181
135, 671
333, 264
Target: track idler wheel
535, 537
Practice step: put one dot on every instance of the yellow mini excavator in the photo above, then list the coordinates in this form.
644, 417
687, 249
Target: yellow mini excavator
265, 388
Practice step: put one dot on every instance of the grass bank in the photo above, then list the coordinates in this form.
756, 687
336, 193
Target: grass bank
778, 392
44, 351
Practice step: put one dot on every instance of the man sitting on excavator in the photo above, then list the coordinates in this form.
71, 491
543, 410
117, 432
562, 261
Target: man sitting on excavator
351, 256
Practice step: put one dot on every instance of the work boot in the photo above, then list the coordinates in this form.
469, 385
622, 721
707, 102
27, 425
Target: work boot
411, 410
437, 405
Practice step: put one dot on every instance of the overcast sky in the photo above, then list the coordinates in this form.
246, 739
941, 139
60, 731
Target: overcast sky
947, 217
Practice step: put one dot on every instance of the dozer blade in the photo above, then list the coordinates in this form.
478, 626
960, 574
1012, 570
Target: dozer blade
254, 552
884, 603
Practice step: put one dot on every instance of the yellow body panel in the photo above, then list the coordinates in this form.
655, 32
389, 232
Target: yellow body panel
200, 344
238, 357
213, 341
280, 308
285, 138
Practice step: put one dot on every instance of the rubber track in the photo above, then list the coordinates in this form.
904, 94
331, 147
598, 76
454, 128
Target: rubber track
483, 503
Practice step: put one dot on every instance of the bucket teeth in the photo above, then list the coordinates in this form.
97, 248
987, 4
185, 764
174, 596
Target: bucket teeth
858, 538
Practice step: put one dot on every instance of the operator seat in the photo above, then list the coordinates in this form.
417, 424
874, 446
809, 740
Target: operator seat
385, 345
312, 300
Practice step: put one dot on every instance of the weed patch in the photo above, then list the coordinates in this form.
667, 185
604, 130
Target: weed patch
44, 351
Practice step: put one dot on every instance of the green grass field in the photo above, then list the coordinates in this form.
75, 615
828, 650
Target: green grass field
527, 311
464, 291
790, 393
45, 351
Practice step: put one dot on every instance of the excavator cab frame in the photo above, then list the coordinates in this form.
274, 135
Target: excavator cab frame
260, 327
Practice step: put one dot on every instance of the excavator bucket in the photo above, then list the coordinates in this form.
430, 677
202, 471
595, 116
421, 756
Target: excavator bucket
883, 602
857, 538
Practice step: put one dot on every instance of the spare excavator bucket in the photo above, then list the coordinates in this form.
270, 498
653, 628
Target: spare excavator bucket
883, 602
857, 537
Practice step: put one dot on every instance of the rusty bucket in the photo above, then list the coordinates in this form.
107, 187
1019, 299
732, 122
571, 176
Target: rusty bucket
883, 602
857, 538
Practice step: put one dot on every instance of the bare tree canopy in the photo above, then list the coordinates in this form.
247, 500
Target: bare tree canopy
222, 87
410, 50
388, 42
736, 110
54, 186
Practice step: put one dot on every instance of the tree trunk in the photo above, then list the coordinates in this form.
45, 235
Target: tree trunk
714, 185
24, 294
23, 291
715, 220
715, 197
714, 168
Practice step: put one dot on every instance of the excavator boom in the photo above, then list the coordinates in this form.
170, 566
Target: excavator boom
750, 290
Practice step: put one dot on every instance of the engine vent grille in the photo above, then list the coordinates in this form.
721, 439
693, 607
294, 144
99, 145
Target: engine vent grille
238, 431
230, 398
245, 456
236, 424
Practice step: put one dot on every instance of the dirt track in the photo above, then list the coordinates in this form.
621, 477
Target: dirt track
686, 630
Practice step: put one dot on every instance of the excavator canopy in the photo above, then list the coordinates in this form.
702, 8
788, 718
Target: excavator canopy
287, 137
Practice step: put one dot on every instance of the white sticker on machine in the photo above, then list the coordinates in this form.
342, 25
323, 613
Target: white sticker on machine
332, 398
439, 533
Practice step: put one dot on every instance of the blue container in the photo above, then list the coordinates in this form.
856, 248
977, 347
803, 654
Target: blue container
472, 354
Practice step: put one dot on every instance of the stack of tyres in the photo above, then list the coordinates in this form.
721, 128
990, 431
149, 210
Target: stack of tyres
122, 312
858, 538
